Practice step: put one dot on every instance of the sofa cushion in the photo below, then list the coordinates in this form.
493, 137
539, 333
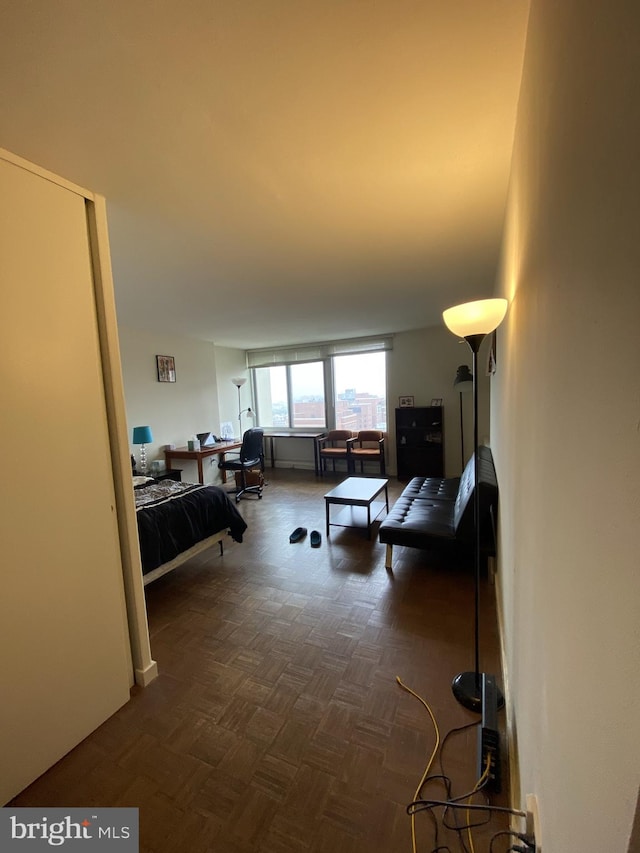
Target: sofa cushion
432, 488
417, 523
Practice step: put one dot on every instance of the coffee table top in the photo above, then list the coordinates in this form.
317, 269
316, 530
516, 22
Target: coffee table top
356, 489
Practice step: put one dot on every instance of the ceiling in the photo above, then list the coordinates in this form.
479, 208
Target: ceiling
276, 171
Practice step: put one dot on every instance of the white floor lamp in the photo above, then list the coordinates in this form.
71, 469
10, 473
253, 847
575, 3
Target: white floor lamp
473, 321
239, 381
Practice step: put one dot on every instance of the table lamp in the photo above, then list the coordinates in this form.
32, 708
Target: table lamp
142, 435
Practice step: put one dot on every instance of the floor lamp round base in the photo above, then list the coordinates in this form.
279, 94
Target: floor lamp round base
467, 689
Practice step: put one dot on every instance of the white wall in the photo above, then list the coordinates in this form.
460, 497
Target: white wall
229, 364
173, 410
423, 365
566, 424
200, 399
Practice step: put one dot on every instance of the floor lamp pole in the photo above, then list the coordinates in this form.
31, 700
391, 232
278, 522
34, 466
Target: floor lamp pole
476, 518
467, 686
473, 321
461, 436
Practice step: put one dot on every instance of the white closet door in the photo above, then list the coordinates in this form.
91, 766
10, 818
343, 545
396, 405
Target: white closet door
64, 649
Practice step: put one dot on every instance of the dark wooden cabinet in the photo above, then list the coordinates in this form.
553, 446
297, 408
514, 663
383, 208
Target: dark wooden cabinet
420, 442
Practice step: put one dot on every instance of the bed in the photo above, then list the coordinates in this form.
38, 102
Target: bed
177, 520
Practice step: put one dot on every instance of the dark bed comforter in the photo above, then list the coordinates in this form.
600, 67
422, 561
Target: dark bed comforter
173, 517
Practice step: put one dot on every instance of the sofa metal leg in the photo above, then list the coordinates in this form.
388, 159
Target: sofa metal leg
388, 562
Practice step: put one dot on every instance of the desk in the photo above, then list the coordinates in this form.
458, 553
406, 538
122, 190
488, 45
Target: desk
220, 448
314, 436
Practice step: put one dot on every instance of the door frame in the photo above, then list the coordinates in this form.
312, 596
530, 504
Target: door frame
144, 668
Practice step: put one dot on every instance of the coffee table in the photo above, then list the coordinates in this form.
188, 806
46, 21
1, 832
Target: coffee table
357, 495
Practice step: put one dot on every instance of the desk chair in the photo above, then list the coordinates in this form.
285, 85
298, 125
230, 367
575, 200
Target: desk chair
249, 456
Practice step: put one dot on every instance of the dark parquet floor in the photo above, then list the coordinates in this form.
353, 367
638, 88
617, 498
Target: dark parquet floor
276, 724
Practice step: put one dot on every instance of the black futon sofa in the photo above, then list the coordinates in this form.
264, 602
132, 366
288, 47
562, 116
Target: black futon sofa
437, 512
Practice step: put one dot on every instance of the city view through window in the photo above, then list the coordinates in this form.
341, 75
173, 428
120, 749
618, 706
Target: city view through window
359, 386
360, 383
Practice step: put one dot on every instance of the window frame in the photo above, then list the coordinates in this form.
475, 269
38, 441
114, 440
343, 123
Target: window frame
323, 353
293, 429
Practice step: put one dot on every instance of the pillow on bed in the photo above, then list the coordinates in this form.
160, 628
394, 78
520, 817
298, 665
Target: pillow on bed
141, 481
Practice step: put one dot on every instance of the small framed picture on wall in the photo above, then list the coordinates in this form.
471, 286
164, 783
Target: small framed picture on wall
405, 402
166, 367
436, 401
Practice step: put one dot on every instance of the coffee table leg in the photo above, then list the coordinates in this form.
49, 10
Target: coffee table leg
326, 504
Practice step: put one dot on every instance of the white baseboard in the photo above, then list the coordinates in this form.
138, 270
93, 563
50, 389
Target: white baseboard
297, 464
145, 676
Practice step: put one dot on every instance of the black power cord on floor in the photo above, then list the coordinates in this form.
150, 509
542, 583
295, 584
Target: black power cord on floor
528, 845
453, 803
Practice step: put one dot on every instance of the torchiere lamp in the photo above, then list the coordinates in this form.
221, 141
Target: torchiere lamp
142, 435
473, 321
462, 383
239, 381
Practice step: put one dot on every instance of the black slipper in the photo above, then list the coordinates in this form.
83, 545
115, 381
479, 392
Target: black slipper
315, 539
298, 534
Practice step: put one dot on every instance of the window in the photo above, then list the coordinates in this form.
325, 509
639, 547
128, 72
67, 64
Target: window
336, 384
307, 396
360, 396
291, 396
272, 397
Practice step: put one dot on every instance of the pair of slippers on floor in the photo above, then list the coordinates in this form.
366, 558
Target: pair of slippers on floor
300, 532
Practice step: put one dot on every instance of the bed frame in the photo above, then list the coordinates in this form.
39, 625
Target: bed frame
196, 549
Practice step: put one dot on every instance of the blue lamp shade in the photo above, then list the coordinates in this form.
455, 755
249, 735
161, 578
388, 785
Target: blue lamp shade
142, 435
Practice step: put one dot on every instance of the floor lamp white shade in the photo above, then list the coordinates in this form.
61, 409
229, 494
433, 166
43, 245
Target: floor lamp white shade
475, 318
